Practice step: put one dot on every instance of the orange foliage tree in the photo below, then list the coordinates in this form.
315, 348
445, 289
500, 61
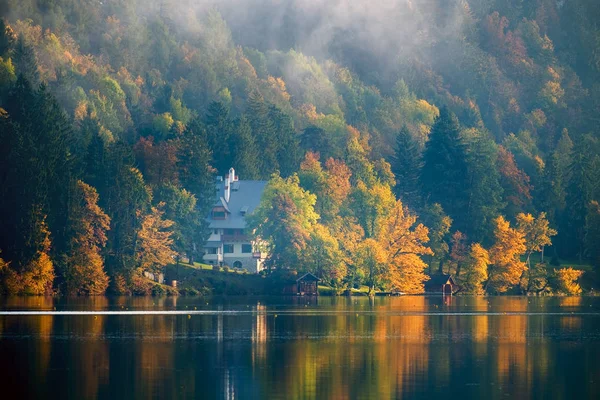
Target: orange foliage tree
154, 241
36, 276
84, 267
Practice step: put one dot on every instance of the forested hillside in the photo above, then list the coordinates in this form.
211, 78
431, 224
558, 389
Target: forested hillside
400, 140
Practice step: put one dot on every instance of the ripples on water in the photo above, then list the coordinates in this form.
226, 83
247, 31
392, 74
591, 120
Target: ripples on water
301, 348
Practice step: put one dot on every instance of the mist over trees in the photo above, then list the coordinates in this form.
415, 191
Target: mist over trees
400, 140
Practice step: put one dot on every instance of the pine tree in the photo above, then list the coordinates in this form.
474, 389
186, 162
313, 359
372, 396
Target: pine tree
315, 139
288, 146
406, 166
25, 61
445, 174
484, 190
197, 176
244, 151
581, 190
219, 132
264, 133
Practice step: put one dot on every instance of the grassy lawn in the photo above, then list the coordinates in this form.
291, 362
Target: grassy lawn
200, 266
537, 258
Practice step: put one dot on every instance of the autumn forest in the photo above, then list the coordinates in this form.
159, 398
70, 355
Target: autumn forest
414, 139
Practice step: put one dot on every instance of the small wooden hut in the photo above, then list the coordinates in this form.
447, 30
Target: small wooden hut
306, 285
443, 284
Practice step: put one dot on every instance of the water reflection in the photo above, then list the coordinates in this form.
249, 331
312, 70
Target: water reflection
305, 348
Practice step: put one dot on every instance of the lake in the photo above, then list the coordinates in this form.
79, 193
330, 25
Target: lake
408, 347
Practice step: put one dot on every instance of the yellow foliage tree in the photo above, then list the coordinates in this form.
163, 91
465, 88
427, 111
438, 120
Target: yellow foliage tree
505, 256
154, 241
476, 269
566, 280
404, 243
537, 233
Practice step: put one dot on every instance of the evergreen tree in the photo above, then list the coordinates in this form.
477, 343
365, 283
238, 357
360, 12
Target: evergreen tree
445, 174
288, 147
582, 189
406, 165
244, 152
484, 189
38, 134
316, 140
553, 194
25, 61
197, 176
126, 200
219, 132
264, 132
180, 207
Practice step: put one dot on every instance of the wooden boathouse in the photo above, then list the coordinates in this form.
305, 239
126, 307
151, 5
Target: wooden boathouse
443, 284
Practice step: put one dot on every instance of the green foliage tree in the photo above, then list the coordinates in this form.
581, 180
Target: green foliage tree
284, 220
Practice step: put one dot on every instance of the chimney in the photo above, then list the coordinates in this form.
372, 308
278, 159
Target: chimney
227, 189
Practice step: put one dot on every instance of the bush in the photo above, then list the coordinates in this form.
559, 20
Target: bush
140, 286
216, 268
189, 292
158, 290
566, 281
226, 268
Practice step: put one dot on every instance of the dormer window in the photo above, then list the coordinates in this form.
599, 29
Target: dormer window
244, 210
219, 213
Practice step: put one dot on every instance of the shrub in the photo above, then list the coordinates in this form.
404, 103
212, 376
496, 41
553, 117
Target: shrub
158, 290
189, 292
566, 281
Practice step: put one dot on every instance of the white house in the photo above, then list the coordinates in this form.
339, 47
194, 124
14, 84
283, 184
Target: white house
230, 243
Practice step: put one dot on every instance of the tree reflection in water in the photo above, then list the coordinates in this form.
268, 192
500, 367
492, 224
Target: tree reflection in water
300, 348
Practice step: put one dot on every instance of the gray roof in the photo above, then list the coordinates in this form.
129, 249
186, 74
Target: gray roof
245, 196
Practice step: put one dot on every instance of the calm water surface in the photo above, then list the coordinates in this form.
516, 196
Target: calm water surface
301, 348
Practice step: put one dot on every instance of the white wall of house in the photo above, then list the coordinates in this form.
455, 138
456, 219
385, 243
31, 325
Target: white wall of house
247, 259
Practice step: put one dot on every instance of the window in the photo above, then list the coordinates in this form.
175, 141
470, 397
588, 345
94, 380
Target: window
230, 231
227, 248
246, 248
211, 250
216, 231
219, 214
